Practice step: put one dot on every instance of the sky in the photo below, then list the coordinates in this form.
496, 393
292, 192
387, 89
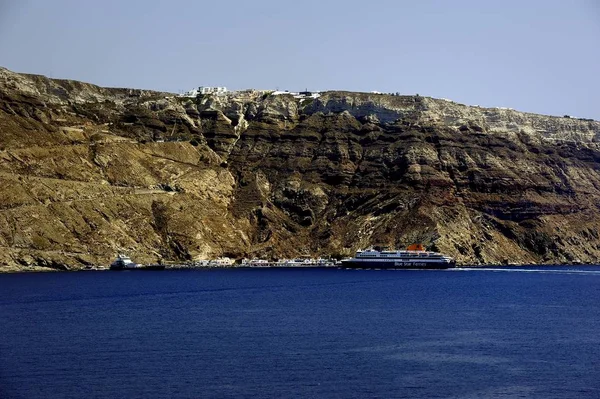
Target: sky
539, 56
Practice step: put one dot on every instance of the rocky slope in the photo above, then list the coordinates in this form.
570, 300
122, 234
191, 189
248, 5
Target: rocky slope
90, 171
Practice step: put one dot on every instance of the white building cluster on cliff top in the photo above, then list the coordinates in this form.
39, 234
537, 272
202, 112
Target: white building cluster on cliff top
212, 90
301, 94
205, 90
223, 90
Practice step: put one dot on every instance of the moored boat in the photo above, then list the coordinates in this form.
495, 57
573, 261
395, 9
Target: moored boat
414, 257
124, 262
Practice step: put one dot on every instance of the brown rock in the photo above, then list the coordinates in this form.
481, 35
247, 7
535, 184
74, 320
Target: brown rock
90, 171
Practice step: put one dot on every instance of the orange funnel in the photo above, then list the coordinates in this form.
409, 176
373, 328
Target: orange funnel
416, 247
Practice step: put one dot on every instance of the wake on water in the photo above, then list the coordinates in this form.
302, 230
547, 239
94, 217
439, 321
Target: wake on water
519, 270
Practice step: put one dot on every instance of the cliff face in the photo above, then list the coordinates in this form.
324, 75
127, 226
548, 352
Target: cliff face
90, 171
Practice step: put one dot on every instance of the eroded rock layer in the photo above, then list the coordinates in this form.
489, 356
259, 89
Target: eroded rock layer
88, 172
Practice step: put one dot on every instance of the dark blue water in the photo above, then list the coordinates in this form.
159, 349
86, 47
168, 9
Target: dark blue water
301, 333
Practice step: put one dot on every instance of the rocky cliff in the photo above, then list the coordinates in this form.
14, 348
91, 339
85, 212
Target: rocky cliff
89, 171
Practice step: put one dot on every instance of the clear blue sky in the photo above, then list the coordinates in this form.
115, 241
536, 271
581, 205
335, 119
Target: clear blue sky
532, 55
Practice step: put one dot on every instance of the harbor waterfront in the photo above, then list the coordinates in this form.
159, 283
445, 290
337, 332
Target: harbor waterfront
414, 257
302, 332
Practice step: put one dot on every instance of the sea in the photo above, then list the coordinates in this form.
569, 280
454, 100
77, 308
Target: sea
516, 332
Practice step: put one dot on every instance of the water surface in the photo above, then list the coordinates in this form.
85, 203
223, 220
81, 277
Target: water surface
494, 333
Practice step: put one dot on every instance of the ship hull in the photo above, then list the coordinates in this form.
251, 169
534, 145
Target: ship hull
387, 264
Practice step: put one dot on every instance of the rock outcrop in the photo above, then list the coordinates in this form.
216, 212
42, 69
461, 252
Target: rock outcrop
90, 171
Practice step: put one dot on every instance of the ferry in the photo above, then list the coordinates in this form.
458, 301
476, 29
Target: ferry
124, 262
414, 257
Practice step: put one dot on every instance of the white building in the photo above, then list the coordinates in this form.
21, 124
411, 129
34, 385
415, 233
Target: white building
191, 93
221, 262
205, 90
283, 92
212, 90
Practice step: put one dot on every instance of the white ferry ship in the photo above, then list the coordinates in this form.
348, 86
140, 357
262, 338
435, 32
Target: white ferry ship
415, 257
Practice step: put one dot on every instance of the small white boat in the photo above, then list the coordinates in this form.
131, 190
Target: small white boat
123, 262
